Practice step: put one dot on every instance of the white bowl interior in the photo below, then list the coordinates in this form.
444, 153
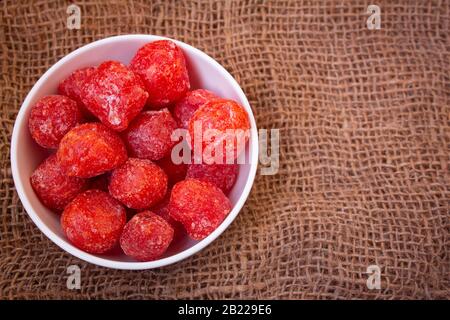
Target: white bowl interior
26, 155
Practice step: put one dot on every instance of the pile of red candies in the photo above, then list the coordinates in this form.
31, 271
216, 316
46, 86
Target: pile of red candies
112, 175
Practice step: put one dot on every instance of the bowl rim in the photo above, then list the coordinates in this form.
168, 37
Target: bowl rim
132, 265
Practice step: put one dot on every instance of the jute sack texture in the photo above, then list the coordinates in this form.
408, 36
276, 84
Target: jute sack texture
364, 123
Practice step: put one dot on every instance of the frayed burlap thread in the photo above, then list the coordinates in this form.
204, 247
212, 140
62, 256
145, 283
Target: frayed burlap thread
364, 168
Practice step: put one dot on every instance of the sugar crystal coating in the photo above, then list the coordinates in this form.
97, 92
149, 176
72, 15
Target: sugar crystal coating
193, 100
149, 135
221, 175
114, 94
71, 87
138, 183
162, 67
225, 117
53, 187
94, 221
51, 118
146, 236
90, 149
200, 206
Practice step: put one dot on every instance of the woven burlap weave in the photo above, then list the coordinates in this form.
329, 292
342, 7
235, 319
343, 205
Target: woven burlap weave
364, 121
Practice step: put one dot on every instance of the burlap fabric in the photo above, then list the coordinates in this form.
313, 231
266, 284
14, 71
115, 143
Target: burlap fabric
364, 170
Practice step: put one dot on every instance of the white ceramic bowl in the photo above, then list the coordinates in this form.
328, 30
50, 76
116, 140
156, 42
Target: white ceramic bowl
26, 155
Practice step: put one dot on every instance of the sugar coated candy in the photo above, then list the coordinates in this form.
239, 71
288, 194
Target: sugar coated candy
53, 187
146, 236
138, 183
71, 87
94, 221
200, 206
222, 126
162, 66
91, 149
114, 94
51, 118
149, 135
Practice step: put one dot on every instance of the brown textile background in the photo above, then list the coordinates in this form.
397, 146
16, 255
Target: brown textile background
364, 120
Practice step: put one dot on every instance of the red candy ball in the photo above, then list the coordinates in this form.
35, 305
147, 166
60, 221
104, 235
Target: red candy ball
199, 206
138, 183
219, 116
91, 149
51, 118
185, 108
53, 187
114, 94
146, 236
221, 175
175, 172
162, 67
149, 135
71, 87
93, 221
